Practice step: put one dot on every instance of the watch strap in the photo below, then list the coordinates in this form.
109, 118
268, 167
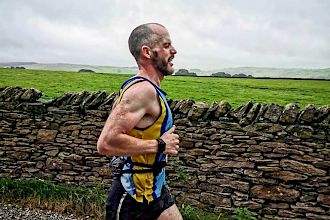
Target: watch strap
161, 145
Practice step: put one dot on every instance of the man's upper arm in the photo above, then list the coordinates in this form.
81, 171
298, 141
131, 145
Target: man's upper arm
135, 103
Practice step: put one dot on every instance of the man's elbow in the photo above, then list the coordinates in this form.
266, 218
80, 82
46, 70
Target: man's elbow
104, 148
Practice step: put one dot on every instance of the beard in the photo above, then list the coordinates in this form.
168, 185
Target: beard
161, 64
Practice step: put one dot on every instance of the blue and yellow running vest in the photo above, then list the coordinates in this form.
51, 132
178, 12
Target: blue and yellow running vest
146, 184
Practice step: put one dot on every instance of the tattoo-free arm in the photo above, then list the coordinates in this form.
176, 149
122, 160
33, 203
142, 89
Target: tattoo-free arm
114, 139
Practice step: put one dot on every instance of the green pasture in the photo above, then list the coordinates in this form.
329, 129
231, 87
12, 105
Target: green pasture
204, 89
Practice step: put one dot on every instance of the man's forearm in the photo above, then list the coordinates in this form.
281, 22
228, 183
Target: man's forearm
125, 145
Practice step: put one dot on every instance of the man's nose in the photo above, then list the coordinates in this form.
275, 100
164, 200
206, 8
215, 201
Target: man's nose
173, 50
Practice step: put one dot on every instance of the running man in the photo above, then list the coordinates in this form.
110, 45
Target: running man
140, 132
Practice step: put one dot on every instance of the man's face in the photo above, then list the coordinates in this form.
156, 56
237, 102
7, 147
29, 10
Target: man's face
163, 54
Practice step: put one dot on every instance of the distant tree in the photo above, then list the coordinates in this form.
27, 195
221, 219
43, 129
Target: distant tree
240, 75
221, 74
184, 72
86, 71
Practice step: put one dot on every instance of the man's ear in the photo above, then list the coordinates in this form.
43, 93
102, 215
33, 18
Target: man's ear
146, 51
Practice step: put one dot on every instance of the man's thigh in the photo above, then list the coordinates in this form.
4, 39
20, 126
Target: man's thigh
172, 213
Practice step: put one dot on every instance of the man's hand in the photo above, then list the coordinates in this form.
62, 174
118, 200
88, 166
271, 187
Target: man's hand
172, 142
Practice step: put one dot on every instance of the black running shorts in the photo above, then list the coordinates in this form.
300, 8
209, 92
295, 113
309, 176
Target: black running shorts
121, 206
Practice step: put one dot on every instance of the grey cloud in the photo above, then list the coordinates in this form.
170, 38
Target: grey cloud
207, 34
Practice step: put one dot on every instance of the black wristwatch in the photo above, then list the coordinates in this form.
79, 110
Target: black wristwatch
161, 145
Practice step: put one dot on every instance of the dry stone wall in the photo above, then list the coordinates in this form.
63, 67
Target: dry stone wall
272, 159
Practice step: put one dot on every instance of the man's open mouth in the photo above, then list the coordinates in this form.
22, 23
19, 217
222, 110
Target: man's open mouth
170, 60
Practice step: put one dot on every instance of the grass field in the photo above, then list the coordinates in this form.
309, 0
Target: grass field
205, 89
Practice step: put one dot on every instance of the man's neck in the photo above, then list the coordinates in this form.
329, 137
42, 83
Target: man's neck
151, 74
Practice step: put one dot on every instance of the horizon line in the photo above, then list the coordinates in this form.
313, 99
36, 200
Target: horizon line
192, 68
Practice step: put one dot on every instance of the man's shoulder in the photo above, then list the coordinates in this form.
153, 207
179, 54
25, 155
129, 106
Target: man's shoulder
142, 89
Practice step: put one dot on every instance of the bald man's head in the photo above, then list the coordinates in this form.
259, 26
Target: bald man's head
145, 34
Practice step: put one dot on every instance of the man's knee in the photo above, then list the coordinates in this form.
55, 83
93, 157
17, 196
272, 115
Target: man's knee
172, 213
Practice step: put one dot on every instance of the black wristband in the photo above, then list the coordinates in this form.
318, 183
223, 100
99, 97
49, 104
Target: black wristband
161, 145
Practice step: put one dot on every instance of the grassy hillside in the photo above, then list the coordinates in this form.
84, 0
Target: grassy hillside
72, 67
254, 71
206, 89
276, 72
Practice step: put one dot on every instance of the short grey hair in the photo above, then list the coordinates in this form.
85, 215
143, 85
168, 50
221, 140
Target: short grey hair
142, 35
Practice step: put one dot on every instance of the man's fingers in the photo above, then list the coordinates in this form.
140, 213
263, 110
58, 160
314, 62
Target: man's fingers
172, 141
172, 152
172, 129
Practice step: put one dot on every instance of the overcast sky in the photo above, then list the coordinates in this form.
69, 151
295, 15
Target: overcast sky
207, 34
